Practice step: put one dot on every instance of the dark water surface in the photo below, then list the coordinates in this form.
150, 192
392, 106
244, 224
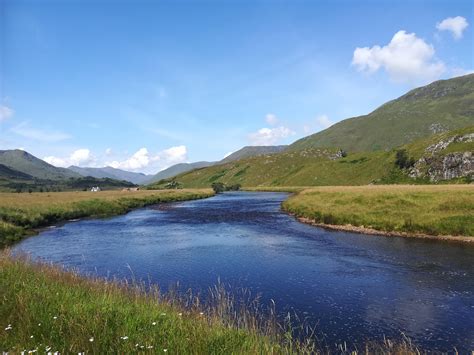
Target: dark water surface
354, 287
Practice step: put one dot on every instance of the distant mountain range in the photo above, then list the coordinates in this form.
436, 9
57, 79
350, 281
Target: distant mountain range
357, 150
26, 163
112, 173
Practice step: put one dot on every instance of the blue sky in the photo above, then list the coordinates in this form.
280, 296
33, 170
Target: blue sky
141, 85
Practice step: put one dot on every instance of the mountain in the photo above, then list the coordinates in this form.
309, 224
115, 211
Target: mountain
245, 152
442, 156
10, 174
178, 169
252, 151
441, 106
26, 163
112, 173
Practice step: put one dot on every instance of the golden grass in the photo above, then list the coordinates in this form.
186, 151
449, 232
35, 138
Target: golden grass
426, 209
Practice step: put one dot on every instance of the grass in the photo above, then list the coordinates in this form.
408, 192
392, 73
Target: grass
430, 209
47, 309
20, 214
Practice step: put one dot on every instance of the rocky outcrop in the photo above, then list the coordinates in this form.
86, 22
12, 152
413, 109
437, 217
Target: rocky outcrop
438, 166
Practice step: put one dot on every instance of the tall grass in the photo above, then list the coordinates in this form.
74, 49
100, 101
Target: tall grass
47, 309
20, 214
433, 210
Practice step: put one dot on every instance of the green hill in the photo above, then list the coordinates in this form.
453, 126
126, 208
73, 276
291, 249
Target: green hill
318, 166
441, 106
26, 163
253, 151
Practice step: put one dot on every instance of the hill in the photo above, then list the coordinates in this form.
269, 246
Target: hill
26, 163
177, 169
440, 157
253, 151
441, 106
112, 173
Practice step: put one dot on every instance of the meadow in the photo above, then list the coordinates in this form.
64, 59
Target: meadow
438, 210
22, 213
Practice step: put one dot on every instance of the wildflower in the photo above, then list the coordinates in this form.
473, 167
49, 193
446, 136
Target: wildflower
91, 339
165, 350
180, 314
201, 313
149, 347
55, 317
31, 336
154, 323
9, 327
124, 337
136, 345
39, 324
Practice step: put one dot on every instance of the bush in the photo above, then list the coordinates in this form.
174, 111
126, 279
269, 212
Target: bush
218, 187
402, 160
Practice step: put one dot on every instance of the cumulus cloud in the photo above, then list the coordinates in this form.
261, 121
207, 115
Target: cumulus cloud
42, 135
455, 25
143, 160
406, 58
269, 136
271, 119
80, 157
5, 112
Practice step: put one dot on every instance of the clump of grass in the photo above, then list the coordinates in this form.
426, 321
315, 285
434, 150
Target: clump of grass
21, 213
433, 210
48, 309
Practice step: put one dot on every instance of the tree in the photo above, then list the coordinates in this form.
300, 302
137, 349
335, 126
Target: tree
402, 160
218, 187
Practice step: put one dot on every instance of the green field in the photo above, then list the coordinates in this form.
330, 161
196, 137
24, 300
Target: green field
432, 210
21, 213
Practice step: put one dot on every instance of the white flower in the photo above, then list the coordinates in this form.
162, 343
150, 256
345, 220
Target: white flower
39, 324
180, 314
154, 323
55, 317
149, 347
48, 348
165, 350
31, 336
124, 337
201, 313
91, 339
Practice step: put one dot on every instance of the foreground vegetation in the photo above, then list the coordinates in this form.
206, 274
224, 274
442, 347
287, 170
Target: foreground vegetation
47, 309
433, 210
20, 214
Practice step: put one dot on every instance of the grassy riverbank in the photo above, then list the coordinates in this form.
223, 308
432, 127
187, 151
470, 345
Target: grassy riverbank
21, 213
433, 209
47, 309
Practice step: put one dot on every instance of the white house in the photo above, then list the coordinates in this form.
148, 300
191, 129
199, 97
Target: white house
95, 189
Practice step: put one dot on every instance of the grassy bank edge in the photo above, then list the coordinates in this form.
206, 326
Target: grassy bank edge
17, 223
308, 216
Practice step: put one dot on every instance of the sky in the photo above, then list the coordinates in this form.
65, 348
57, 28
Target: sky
142, 85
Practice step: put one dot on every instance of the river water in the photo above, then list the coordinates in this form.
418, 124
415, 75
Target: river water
351, 287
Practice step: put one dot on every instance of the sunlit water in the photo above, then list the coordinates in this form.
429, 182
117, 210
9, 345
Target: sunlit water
352, 287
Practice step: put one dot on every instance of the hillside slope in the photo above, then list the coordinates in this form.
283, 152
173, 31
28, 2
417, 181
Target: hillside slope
253, 151
26, 163
441, 106
318, 167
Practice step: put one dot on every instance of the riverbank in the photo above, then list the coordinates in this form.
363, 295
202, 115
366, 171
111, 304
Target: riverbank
439, 212
47, 309
22, 214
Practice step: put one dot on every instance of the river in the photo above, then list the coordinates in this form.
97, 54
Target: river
351, 287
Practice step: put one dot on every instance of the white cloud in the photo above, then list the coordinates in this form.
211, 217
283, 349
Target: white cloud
323, 121
142, 160
80, 157
5, 112
269, 136
24, 130
108, 151
455, 25
271, 119
406, 58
